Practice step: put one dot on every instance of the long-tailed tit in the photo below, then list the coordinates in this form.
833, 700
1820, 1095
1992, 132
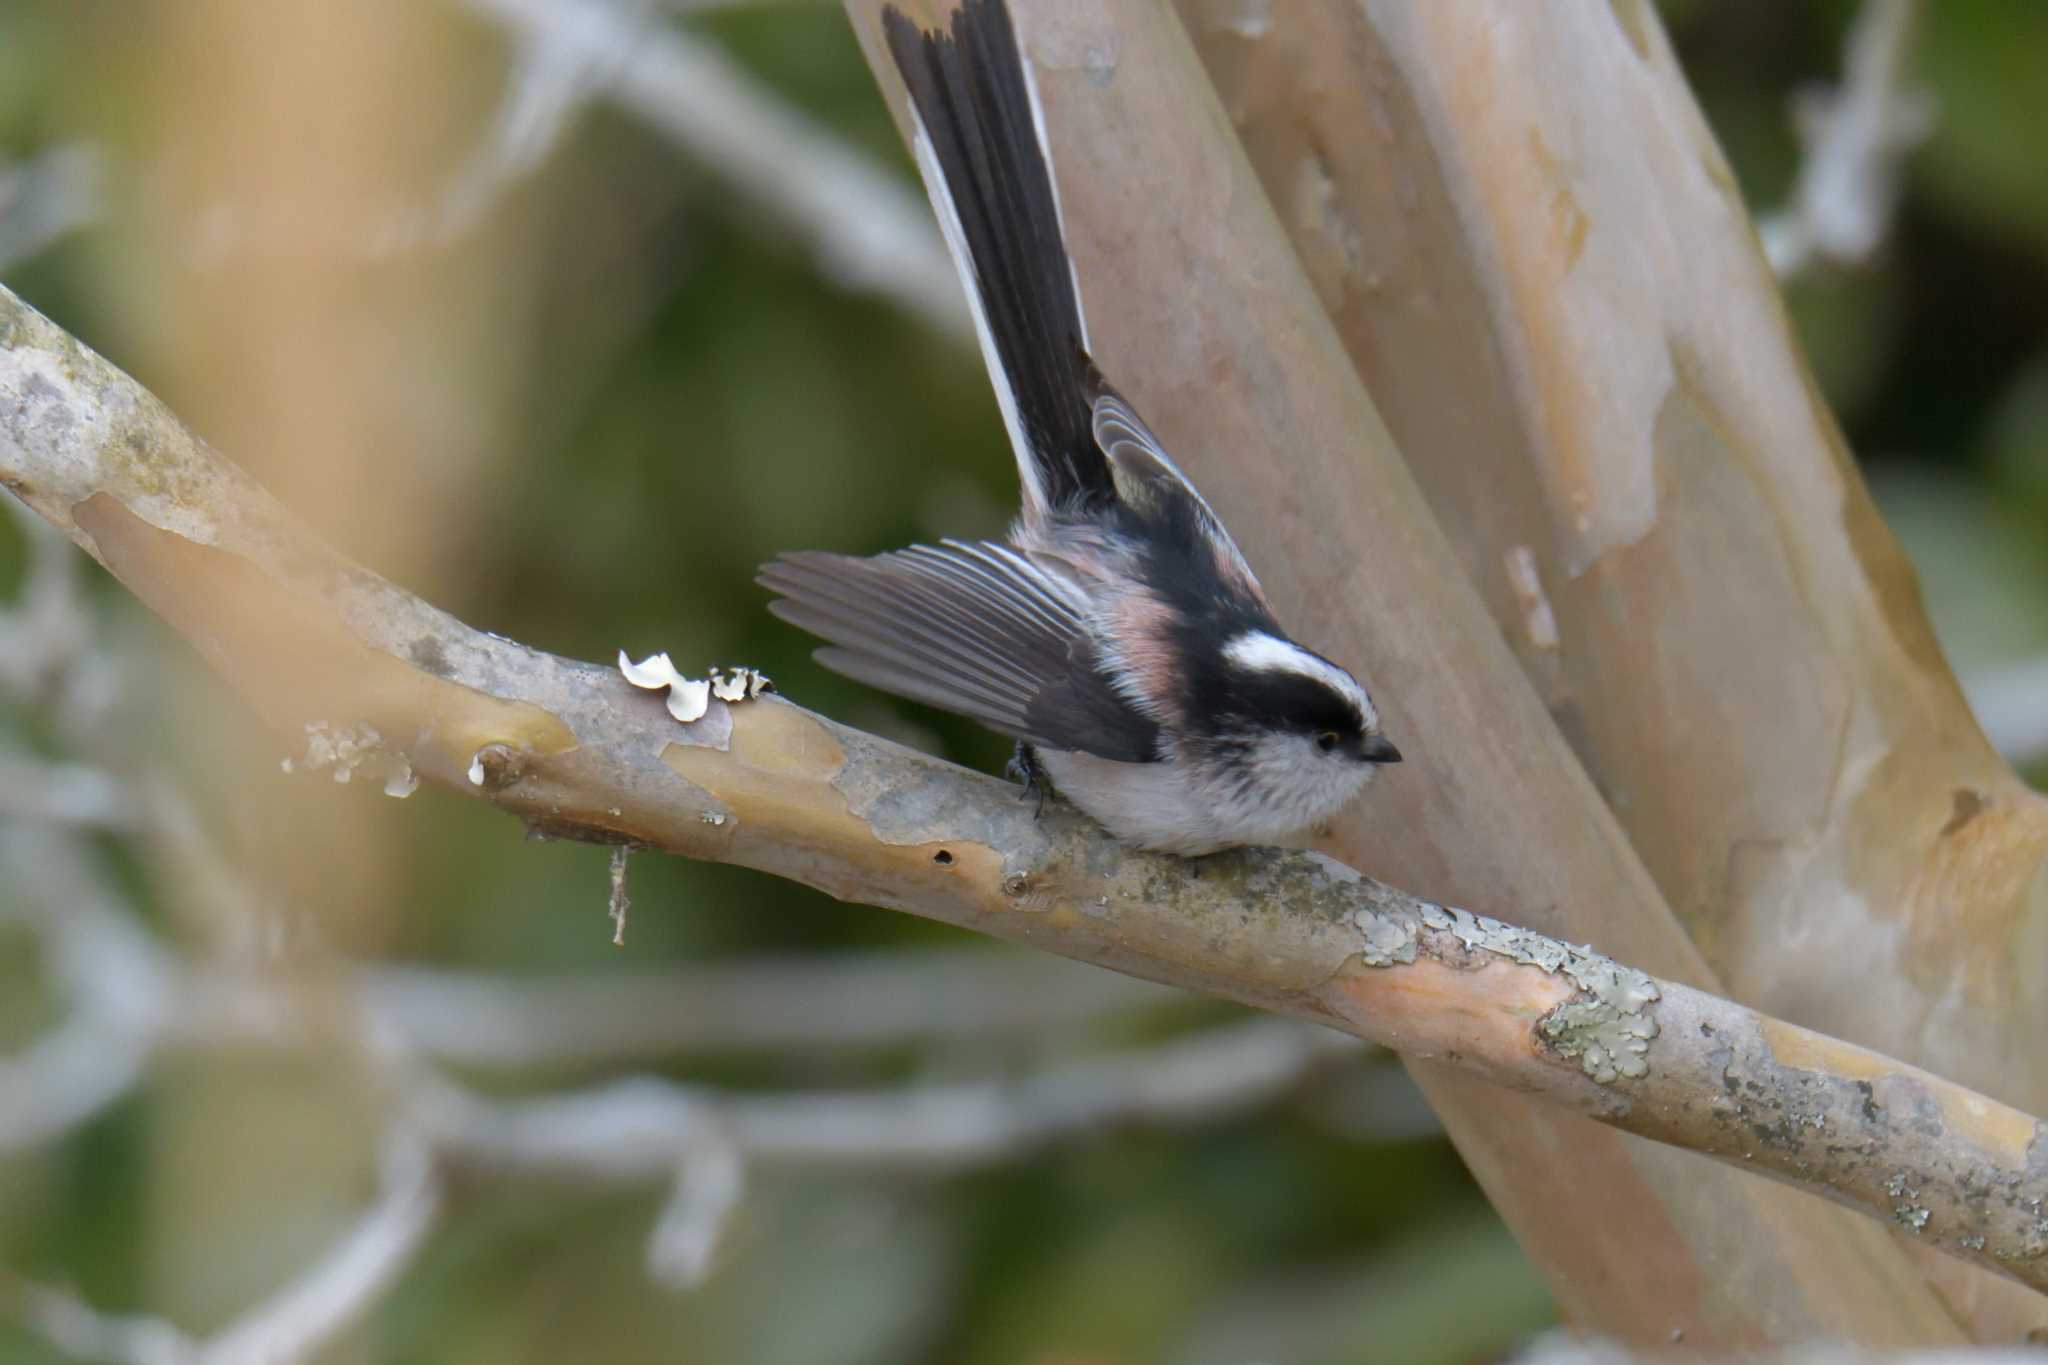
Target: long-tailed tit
1119, 636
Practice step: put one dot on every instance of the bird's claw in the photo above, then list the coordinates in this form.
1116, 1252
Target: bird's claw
1025, 769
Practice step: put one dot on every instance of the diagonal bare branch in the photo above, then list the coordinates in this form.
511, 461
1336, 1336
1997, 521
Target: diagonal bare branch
868, 229
1855, 141
574, 751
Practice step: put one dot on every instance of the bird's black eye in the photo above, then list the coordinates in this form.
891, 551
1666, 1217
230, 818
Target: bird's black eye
1328, 741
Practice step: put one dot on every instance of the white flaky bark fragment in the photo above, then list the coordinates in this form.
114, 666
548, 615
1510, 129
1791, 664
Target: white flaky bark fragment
688, 698
739, 683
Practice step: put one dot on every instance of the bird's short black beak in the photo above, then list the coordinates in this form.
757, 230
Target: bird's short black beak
1379, 749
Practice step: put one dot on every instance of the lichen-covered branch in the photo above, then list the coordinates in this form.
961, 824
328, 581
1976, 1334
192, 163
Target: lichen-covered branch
572, 750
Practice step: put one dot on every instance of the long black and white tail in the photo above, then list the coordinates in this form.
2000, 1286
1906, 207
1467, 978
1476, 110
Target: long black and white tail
980, 145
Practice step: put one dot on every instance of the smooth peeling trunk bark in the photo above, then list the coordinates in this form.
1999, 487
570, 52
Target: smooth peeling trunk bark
1542, 268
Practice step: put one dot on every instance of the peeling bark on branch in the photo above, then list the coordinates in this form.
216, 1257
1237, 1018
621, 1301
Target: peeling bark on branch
573, 750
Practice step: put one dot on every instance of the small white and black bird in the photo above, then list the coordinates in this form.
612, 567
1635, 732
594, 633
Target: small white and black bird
1120, 636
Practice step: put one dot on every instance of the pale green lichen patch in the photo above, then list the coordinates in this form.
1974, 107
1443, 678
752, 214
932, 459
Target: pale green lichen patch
136, 463
83, 427
1389, 939
1905, 1212
1608, 1043
1606, 1027
1287, 882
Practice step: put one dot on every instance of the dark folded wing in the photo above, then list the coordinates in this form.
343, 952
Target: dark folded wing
1151, 485
976, 629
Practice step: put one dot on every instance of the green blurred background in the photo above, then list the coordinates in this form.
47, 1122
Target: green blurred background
579, 418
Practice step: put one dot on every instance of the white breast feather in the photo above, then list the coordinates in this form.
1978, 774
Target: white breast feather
1288, 788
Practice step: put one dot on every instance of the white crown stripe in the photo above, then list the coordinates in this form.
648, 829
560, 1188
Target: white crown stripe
1259, 651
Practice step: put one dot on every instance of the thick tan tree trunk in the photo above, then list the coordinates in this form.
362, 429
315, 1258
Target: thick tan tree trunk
1543, 270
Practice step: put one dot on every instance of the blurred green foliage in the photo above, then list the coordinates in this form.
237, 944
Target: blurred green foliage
701, 399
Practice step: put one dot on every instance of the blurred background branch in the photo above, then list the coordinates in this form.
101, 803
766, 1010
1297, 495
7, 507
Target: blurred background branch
1855, 140
1562, 1348
2011, 703
870, 231
46, 196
